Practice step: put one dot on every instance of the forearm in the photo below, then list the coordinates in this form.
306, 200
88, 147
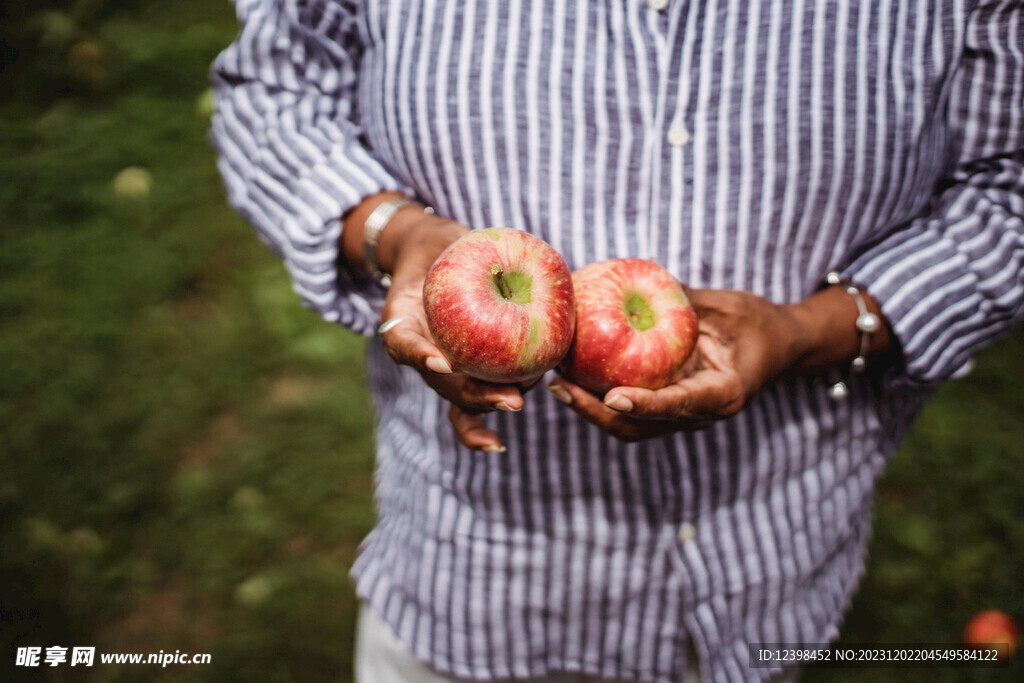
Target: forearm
826, 335
352, 237
409, 227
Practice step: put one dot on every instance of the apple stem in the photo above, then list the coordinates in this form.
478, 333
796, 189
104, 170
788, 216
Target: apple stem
498, 273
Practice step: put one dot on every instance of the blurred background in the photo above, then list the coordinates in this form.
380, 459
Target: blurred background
186, 452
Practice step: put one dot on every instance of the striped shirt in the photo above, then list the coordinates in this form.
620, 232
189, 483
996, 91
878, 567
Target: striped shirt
743, 144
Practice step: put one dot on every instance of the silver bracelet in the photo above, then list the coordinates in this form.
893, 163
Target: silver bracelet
374, 226
867, 324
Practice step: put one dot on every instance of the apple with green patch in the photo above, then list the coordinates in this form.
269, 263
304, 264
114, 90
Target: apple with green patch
634, 326
500, 305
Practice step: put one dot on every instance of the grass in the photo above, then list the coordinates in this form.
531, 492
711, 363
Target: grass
186, 453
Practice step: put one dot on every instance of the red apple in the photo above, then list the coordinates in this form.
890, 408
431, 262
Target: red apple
499, 304
991, 627
634, 326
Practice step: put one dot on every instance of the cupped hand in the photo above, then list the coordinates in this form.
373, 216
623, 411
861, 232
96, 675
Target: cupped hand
744, 341
410, 343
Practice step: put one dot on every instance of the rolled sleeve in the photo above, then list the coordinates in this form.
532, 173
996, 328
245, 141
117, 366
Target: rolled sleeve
291, 151
953, 279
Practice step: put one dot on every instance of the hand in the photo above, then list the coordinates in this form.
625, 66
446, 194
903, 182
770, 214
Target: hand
410, 343
744, 342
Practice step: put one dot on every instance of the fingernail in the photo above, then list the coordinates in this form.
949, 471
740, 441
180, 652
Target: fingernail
560, 393
501, 405
439, 365
491, 448
620, 403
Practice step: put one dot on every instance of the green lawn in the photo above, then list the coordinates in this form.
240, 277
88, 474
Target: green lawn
186, 453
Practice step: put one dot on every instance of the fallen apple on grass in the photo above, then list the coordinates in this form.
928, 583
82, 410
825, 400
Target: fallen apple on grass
500, 305
992, 627
133, 183
634, 326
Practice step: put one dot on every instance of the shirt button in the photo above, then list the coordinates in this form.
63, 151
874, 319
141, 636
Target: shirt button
687, 532
678, 136
657, 4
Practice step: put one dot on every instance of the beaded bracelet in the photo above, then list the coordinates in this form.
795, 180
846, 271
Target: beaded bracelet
867, 323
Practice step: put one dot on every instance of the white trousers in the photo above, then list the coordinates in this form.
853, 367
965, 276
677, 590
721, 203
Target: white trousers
381, 658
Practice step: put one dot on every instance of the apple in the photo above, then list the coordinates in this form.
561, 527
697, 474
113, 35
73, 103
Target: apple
88, 60
206, 105
991, 627
87, 52
133, 182
500, 305
634, 326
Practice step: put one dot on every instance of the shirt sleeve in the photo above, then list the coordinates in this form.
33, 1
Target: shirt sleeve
953, 279
291, 151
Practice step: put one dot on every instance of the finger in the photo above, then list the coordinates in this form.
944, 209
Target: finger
472, 433
475, 395
407, 345
586, 404
591, 408
705, 394
573, 395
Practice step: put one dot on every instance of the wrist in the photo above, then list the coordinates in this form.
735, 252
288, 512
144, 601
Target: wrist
416, 242
354, 226
791, 341
831, 337
402, 230
810, 338
374, 229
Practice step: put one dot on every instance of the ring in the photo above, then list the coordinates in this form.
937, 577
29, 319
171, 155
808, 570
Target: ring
388, 325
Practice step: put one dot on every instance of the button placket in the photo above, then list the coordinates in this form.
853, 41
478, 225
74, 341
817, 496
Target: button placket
660, 28
678, 136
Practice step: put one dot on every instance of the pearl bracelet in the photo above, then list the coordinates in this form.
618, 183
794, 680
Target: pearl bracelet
374, 226
867, 324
